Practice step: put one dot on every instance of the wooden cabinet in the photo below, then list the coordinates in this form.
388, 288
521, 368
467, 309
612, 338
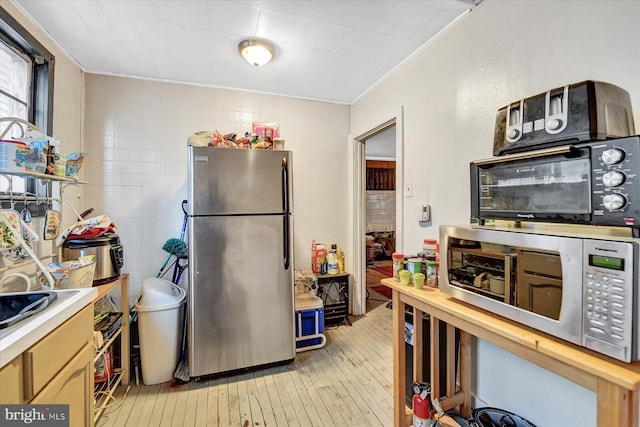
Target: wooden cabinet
58, 369
46, 359
11, 381
73, 385
103, 390
333, 289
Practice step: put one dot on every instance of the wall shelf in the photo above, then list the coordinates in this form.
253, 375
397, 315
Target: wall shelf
31, 174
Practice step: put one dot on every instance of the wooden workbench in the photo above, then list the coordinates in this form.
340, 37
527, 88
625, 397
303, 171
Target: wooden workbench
617, 384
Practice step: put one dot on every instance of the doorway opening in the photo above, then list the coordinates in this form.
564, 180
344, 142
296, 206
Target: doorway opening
390, 237
380, 214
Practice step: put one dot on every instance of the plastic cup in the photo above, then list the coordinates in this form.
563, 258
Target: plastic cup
405, 277
418, 280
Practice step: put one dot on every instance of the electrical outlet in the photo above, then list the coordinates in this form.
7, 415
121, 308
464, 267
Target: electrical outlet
408, 189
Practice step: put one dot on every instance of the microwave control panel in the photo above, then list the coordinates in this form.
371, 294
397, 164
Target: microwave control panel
609, 285
615, 190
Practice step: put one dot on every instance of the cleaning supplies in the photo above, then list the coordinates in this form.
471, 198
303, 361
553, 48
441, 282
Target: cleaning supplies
175, 246
332, 263
319, 258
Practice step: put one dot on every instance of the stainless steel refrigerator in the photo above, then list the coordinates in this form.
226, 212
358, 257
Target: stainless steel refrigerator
240, 305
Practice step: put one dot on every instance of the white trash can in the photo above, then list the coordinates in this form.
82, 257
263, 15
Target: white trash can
159, 326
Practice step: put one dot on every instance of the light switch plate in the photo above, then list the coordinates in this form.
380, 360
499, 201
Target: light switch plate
408, 189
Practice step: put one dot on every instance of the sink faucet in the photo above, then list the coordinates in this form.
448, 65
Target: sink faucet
24, 277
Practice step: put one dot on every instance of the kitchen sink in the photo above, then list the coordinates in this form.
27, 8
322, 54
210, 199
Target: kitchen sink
17, 306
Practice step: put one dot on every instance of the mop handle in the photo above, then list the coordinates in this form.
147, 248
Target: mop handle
164, 265
184, 221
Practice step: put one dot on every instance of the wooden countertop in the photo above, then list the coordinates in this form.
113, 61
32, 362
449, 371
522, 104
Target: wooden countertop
586, 366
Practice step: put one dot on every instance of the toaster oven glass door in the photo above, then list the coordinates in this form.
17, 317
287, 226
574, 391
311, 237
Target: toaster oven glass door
538, 187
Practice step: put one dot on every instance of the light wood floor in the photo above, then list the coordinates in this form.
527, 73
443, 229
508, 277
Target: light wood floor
348, 382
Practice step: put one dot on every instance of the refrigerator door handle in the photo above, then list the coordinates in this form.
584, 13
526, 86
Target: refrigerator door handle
285, 185
285, 209
285, 235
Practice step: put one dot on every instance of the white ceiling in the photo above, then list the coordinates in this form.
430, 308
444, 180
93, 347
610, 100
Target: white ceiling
381, 146
328, 50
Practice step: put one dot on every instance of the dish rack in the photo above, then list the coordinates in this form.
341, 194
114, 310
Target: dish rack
18, 236
23, 125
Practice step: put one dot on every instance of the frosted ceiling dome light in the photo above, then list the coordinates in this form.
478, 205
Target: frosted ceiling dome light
256, 52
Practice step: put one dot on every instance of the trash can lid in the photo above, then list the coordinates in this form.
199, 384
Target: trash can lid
306, 303
159, 294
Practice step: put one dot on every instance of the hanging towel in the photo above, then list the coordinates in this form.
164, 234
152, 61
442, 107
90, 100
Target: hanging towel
10, 246
89, 228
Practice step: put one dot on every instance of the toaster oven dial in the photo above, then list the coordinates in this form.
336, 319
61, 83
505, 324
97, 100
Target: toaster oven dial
613, 178
612, 156
614, 201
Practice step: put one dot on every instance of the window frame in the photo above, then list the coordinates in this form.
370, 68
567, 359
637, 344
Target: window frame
40, 110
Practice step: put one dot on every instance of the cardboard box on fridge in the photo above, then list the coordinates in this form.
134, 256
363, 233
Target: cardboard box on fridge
266, 130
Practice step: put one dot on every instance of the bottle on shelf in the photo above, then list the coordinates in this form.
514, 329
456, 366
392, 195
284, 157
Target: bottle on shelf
332, 260
432, 274
430, 248
332, 263
398, 264
319, 253
341, 261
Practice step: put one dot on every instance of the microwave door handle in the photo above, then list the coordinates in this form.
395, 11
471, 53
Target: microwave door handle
563, 149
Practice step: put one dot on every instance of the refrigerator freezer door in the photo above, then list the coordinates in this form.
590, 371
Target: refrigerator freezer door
226, 181
240, 293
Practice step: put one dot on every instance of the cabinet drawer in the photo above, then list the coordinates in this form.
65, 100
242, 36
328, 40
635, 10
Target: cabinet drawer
46, 358
73, 386
11, 381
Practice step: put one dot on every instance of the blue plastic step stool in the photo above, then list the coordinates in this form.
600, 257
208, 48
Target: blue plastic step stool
309, 323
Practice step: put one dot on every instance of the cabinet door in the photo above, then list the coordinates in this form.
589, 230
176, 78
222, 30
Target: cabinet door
11, 381
73, 386
48, 356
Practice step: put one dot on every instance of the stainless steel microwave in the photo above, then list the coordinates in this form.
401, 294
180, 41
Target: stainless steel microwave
578, 287
589, 183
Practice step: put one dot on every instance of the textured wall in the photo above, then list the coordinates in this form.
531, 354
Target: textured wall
136, 134
381, 210
67, 127
451, 90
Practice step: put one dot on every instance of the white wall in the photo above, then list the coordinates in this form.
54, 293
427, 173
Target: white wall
67, 127
451, 90
136, 134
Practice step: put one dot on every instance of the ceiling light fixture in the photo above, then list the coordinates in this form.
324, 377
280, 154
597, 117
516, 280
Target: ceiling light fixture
256, 52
